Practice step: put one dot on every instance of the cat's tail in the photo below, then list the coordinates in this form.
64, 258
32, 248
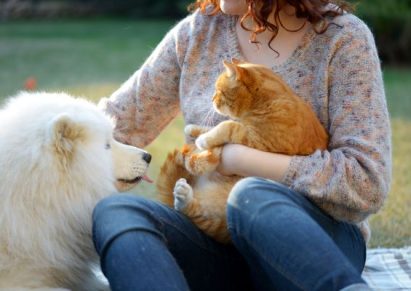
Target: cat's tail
171, 170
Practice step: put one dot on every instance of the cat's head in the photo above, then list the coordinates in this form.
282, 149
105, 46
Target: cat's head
245, 88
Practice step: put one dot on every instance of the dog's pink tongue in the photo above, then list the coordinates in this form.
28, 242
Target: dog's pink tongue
147, 179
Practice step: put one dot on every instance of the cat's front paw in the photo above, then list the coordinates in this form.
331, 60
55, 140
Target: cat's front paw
194, 131
183, 194
202, 142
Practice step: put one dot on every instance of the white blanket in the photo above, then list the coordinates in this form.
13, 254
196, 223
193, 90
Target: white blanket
388, 269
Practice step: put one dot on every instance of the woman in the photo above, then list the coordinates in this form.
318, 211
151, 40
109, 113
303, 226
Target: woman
297, 222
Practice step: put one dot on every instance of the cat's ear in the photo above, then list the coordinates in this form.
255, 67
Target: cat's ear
233, 70
230, 69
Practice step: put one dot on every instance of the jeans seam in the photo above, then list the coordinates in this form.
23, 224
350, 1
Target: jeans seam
361, 240
320, 281
275, 266
164, 222
105, 247
318, 210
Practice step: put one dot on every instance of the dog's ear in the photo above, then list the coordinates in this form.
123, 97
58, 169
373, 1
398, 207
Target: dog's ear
64, 133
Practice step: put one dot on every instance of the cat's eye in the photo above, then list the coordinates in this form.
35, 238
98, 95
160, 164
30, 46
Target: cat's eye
107, 146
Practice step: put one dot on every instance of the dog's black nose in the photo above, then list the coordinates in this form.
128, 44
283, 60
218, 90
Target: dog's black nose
147, 157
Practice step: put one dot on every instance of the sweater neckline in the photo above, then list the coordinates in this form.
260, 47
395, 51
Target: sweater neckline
235, 51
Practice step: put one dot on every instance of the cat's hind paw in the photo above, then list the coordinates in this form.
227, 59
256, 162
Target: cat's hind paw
183, 194
203, 162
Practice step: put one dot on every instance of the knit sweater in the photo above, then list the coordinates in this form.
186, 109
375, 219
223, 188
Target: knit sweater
338, 73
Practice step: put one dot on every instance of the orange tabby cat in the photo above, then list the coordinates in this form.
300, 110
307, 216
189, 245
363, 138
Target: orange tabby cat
265, 114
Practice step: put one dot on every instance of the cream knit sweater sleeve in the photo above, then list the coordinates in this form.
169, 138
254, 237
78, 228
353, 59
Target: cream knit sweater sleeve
149, 99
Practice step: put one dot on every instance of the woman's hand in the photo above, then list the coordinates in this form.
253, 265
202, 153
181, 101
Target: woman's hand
244, 161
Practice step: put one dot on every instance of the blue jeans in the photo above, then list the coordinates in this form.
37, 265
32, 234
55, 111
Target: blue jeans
281, 241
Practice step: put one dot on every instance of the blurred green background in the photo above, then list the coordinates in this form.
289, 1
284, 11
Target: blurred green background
88, 48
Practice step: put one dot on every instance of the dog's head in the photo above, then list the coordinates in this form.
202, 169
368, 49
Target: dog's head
89, 136
67, 142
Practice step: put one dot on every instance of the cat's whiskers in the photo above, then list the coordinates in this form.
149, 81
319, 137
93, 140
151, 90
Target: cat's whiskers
204, 119
208, 118
213, 114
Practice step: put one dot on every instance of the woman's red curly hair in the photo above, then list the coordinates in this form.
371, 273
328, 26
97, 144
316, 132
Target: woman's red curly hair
314, 11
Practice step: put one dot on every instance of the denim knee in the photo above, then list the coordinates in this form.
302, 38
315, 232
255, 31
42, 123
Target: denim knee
247, 189
242, 190
113, 205
119, 214
251, 196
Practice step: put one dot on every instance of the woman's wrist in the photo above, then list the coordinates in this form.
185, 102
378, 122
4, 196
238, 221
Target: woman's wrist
244, 161
231, 159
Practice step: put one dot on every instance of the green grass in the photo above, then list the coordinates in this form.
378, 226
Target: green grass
398, 86
392, 225
66, 53
92, 58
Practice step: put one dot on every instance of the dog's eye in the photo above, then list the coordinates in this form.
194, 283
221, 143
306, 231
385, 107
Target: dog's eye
108, 146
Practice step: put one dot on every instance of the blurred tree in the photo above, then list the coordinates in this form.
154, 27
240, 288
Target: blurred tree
11, 9
142, 8
390, 21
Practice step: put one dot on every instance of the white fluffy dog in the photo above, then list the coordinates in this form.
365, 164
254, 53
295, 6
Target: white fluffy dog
57, 160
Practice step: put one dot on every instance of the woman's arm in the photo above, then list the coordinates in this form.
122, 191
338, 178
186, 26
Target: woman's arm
149, 99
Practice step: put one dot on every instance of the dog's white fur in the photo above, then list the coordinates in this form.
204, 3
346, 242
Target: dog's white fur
57, 159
